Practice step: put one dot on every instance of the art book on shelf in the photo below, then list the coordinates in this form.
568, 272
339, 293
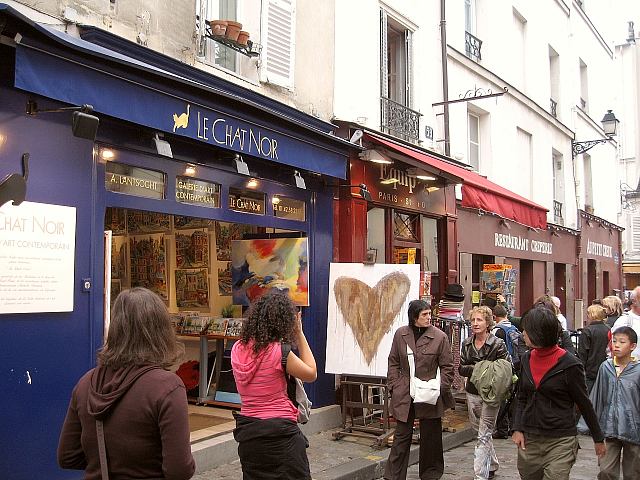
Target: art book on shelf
217, 326
234, 327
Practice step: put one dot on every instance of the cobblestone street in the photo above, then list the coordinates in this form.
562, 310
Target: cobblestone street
459, 462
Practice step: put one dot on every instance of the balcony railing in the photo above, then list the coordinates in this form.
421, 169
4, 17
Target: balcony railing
553, 108
583, 103
472, 46
399, 120
557, 213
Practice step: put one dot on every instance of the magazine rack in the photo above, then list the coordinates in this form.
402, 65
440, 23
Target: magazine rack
356, 392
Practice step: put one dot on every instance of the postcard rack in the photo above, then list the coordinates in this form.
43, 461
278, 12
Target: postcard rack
370, 396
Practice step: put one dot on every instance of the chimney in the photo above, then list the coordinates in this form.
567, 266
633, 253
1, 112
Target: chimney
632, 34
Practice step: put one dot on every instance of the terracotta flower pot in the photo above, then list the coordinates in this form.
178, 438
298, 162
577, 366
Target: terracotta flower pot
218, 27
243, 37
233, 30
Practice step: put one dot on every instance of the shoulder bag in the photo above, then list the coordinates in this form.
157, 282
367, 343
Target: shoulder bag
295, 390
422, 391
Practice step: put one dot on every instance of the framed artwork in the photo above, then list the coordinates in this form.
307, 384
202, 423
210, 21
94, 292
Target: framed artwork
367, 304
140, 221
115, 219
234, 327
263, 265
118, 257
192, 288
183, 221
218, 326
224, 279
192, 251
225, 234
148, 263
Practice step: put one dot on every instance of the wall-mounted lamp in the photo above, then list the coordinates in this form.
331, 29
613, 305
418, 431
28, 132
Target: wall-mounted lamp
275, 200
190, 170
375, 156
610, 127
299, 180
389, 181
83, 125
426, 178
364, 193
252, 183
554, 233
241, 166
162, 146
505, 224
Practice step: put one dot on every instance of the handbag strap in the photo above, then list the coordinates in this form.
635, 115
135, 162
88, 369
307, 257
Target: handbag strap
102, 450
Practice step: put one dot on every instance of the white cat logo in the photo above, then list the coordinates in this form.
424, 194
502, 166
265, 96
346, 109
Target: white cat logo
182, 120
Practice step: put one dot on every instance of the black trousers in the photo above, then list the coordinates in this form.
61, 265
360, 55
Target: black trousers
431, 464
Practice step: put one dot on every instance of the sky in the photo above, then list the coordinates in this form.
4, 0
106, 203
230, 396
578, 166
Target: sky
619, 13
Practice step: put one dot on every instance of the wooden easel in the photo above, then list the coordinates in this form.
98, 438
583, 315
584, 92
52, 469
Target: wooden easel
356, 392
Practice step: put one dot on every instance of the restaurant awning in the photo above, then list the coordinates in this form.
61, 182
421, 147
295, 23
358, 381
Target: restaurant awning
477, 191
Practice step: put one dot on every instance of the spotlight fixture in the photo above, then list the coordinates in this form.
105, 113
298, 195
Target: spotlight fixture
389, 181
427, 178
190, 170
505, 224
375, 156
83, 124
299, 180
364, 193
252, 183
275, 200
162, 146
241, 165
107, 154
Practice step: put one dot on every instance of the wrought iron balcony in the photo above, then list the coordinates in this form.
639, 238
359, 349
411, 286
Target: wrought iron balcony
399, 120
553, 108
472, 46
583, 104
557, 213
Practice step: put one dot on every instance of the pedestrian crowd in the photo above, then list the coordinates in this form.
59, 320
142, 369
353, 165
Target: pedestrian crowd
524, 379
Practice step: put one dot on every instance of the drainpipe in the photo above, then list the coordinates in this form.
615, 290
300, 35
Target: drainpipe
445, 77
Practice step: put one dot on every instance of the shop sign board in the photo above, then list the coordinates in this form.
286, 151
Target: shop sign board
197, 192
37, 251
396, 186
516, 242
288, 208
245, 201
131, 180
599, 249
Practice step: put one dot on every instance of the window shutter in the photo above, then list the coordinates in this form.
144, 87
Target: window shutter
384, 85
279, 42
408, 40
635, 233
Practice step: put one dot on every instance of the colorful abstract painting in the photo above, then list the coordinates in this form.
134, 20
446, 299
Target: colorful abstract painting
367, 304
261, 266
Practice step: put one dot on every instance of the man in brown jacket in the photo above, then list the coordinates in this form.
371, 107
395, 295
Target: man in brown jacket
431, 350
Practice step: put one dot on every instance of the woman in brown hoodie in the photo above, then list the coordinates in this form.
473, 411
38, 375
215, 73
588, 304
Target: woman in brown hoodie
141, 405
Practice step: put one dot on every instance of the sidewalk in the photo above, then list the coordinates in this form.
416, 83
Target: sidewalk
350, 458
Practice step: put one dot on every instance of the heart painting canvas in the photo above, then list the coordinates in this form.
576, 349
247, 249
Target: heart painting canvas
367, 304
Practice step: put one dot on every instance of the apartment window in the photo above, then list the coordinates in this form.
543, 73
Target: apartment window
584, 87
474, 141
213, 52
519, 46
588, 182
396, 79
524, 154
558, 188
470, 16
472, 44
554, 81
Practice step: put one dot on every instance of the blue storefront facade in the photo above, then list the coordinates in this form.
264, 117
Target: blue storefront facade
137, 95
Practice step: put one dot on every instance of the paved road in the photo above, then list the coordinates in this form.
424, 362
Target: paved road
459, 462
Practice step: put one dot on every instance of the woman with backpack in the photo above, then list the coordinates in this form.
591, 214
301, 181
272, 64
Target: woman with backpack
270, 443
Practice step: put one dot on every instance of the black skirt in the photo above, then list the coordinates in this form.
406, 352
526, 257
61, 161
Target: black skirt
271, 449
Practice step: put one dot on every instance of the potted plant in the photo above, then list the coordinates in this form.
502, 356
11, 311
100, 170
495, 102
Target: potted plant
218, 27
233, 30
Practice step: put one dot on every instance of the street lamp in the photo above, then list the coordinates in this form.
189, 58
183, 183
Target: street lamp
610, 127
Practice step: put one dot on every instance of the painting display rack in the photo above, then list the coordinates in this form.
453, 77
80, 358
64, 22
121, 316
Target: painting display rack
373, 422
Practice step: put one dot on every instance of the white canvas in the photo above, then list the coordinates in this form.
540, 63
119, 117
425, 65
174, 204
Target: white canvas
345, 353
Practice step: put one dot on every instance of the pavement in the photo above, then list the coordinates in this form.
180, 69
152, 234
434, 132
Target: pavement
350, 458
459, 462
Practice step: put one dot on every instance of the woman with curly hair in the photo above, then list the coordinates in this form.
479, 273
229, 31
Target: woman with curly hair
271, 445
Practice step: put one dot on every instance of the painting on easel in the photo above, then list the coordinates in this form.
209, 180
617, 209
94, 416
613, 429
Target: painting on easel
367, 304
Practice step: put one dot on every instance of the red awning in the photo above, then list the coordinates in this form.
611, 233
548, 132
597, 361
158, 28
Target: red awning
477, 191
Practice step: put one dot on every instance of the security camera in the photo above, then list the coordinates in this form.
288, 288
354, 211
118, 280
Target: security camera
357, 135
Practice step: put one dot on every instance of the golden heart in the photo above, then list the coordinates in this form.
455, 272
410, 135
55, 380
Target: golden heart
370, 312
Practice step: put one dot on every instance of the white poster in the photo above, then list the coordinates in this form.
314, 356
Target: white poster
367, 304
37, 251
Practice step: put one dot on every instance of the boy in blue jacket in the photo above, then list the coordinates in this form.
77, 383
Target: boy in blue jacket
616, 400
